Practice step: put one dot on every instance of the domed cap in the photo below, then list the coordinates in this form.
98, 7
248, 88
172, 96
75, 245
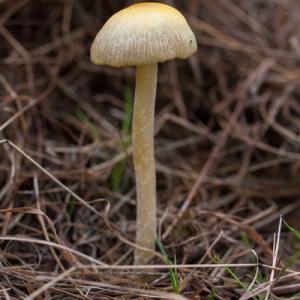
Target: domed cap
143, 33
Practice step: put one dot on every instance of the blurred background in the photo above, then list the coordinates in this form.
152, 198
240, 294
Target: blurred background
227, 149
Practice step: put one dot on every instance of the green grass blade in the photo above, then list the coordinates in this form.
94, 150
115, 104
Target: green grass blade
119, 169
173, 274
293, 230
89, 125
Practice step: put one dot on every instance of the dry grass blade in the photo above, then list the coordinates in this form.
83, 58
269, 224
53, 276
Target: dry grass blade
50, 244
82, 201
50, 283
276, 245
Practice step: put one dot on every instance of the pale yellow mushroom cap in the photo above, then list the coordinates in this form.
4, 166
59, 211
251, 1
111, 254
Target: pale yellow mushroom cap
143, 33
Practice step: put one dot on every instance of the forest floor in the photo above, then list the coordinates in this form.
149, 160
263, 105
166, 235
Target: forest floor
227, 151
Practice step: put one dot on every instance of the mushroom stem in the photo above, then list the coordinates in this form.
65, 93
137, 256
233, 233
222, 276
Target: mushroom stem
144, 161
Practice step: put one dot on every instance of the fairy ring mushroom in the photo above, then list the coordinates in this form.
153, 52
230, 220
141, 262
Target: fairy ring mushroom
143, 35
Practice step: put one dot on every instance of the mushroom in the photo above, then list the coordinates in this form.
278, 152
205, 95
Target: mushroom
144, 35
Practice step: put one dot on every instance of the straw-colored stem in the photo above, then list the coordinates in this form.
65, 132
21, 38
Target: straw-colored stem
144, 161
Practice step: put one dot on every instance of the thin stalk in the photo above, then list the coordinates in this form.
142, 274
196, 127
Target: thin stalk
144, 161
